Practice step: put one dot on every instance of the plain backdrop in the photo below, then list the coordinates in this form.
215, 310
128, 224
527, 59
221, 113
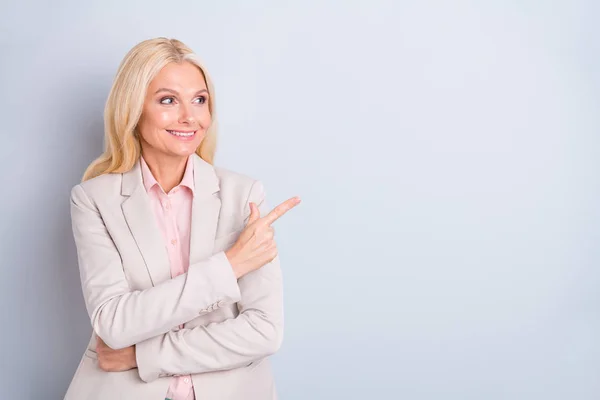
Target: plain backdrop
447, 155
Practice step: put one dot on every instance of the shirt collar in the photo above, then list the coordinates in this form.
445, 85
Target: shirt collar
150, 181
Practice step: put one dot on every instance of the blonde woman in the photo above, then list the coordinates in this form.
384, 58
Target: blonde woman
177, 258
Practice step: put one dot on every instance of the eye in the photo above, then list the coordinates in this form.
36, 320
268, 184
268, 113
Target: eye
200, 99
167, 100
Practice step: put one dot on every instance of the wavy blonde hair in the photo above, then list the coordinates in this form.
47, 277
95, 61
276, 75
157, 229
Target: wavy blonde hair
126, 100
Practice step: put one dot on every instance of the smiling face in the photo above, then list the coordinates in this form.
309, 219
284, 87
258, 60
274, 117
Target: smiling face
176, 115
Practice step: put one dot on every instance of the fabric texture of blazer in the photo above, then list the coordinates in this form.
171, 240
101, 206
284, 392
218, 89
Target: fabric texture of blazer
230, 326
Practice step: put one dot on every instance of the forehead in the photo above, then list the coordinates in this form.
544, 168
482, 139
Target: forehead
184, 77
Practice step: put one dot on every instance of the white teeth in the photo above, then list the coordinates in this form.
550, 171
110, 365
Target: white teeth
183, 134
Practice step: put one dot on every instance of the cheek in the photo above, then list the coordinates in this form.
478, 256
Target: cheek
153, 122
159, 118
164, 118
203, 117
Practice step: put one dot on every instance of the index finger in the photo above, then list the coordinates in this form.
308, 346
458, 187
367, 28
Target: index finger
281, 209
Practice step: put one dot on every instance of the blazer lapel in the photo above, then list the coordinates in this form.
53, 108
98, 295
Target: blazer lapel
205, 210
141, 220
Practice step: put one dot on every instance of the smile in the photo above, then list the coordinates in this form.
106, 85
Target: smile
182, 134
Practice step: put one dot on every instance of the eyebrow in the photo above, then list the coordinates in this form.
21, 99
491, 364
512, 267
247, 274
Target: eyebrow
177, 93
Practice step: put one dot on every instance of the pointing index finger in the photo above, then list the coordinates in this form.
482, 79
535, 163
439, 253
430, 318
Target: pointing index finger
281, 209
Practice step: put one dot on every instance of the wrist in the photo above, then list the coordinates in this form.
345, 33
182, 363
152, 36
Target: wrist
133, 357
234, 265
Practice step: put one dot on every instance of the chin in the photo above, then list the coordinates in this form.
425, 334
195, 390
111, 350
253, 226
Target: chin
183, 153
181, 149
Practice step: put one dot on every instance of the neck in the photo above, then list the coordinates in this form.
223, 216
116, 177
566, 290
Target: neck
168, 171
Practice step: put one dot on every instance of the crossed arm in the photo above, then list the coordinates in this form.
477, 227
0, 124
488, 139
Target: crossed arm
144, 318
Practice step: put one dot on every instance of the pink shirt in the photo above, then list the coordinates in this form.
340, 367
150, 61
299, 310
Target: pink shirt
173, 213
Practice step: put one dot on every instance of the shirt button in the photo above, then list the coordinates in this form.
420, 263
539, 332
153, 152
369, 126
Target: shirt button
187, 380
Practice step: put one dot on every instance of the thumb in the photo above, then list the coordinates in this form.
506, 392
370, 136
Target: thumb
254, 213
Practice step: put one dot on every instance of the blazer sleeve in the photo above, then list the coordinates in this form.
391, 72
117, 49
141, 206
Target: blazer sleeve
255, 333
123, 317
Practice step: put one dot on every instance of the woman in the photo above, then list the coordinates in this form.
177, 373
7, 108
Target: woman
178, 265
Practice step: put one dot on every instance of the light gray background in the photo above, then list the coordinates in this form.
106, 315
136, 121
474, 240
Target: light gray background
446, 153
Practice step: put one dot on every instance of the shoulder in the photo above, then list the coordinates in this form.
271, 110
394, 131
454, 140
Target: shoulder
238, 189
95, 188
233, 181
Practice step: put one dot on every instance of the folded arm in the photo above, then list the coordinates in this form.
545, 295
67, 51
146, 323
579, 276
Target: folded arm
254, 334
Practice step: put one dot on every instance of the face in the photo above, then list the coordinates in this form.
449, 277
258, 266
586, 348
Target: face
175, 116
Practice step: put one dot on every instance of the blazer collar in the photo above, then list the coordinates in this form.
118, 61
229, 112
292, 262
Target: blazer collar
206, 181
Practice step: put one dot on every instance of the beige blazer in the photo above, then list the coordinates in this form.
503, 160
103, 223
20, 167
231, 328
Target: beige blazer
230, 326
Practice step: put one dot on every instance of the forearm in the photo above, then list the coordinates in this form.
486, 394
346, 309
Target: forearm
131, 317
255, 333
231, 344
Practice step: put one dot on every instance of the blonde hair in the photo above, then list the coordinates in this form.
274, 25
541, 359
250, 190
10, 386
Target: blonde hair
126, 100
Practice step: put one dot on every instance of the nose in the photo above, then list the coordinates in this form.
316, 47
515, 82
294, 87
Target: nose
186, 114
